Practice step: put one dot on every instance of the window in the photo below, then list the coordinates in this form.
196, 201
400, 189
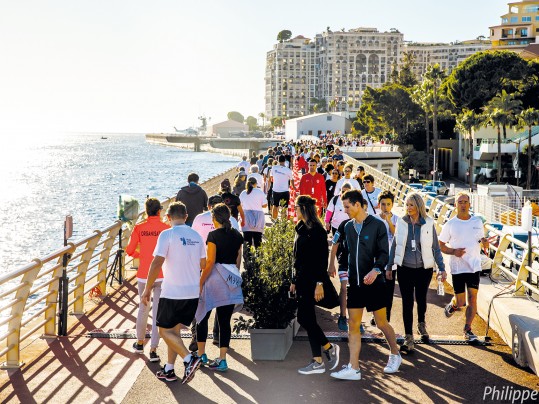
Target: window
514, 20
504, 20
526, 19
524, 32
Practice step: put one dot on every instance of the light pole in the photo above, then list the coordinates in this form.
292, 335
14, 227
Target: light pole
517, 172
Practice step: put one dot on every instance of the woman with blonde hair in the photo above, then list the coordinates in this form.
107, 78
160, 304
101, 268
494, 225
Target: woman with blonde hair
415, 250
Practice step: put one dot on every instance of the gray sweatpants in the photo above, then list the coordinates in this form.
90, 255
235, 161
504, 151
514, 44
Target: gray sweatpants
144, 311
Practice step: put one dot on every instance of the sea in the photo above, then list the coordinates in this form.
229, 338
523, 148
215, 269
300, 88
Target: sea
43, 179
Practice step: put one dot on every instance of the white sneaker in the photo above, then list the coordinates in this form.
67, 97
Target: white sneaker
393, 363
347, 373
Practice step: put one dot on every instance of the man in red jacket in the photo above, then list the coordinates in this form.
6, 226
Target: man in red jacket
145, 236
314, 185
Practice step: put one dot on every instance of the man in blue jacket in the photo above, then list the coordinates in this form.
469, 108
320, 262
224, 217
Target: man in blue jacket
366, 237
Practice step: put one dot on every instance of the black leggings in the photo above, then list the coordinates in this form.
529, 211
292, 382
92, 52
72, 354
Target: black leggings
224, 314
307, 319
252, 238
390, 290
413, 281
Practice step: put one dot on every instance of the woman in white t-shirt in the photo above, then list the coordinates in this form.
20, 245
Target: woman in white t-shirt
253, 200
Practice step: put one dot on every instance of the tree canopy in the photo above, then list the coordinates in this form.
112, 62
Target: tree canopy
235, 116
252, 122
284, 35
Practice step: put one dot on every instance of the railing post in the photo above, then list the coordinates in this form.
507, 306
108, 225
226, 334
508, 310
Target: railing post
498, 257
17, 310
78, 293
523, 273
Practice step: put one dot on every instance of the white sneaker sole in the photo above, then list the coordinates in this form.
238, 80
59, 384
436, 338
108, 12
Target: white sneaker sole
341, 377
312, 372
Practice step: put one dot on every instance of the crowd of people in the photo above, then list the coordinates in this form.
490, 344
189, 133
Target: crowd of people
345, 228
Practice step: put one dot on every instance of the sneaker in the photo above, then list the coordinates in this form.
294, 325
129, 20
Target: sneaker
469, 335
312, 368
138, 348
154, 357
347, 373
332, 355
193, 346
219, 365
169, 376
190, 368
361, 329
204, 360
449, 309
422, 329
393, 364
342, 323
373, 321
408, 345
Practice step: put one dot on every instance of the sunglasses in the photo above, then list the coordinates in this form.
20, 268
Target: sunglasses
367, 182
335, 173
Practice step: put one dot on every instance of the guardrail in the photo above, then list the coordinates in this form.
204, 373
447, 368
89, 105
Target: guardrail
91, 259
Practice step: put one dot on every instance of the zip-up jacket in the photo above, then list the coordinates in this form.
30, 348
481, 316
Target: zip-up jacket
367, 250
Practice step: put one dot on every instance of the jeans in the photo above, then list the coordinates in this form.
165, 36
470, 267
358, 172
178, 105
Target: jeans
144, 311
307, 319
413, 281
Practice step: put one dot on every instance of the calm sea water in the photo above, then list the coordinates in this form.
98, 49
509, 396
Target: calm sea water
44, 179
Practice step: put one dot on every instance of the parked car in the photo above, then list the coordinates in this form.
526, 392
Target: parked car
416, 186
428, 201
440, 187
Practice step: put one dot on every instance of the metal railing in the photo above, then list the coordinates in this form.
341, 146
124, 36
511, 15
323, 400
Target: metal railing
29, 297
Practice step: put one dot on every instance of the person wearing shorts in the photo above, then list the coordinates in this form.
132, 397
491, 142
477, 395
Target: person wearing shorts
180, 251
281, 178
366, 286
462, 237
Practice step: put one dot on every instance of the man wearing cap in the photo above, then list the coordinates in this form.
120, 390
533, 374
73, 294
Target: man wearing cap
141, 245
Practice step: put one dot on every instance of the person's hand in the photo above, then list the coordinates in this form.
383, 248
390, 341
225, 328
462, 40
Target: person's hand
332, 271
318, 293
370, 277
389, 274
442, 275
292, 288
459, 252
145, 298
328, 226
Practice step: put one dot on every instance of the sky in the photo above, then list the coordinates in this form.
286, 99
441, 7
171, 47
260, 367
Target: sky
146, 66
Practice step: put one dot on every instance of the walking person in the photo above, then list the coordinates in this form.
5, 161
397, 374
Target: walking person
253, 201
366, 284
370, 194
462, 237
281, 177
181, 253
144, 236
310, 263
220, 285
415, 250
194, 198
347, 179
314, 185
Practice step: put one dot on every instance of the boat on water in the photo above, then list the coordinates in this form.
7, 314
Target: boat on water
104, 137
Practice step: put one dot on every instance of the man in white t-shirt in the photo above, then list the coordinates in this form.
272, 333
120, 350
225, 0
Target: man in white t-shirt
464, 234
370, 193
181, 253
281, 177
203, 223
253, 173
243, 164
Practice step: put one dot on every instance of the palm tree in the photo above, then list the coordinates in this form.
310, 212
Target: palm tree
509, 105
496, 117
263, 116
333, 105
422, 96
529, 117
469, 121
316, 108
434, 76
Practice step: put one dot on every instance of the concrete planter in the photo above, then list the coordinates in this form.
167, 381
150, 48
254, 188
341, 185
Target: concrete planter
295, 326
272, 344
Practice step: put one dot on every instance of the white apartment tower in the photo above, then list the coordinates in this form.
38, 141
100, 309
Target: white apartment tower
290, 78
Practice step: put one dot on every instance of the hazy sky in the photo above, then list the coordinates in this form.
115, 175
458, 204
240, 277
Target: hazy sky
145, 66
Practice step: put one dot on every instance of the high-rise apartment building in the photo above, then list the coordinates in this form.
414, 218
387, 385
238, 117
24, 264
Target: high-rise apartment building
290, 78
519, 27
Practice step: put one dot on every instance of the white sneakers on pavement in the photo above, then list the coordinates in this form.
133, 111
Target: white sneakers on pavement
347, 373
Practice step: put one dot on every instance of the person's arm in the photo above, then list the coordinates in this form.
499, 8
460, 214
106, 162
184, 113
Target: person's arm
210, 262
153, 272
457, 252
390, 224
437, 252
242, 214
205, 208
332, 255
238, 258
134, 240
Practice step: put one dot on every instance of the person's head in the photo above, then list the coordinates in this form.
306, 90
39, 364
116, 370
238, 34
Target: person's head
260, 156
316, 157
348, 168
225, 185
306, 211
324, 161
386, 200
345, 187
214, 200
312, 166
270, 161
220, 214
193, 177
354, 204
177, 212
153, 206
415, 205
253, 169
282, 159
462, 202
335, 174
253, 154
360, 172
340, 166
368, 182
329, 168
251, 183
244, 158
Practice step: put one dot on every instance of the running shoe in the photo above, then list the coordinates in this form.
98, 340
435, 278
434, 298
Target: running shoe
408, 345
347, 373
138, 348
342, 323
332, 356
469, 335
219, 365
204, 360
422, 329
393, 363
154, 357
190, 368
313, 368
449, 309
169, 376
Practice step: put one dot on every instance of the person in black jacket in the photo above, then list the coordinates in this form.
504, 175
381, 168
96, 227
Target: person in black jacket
310, 263
194, 197
366, 238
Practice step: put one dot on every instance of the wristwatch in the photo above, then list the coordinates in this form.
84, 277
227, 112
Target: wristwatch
378, 271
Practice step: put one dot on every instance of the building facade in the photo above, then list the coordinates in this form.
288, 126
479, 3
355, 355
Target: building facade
519, 26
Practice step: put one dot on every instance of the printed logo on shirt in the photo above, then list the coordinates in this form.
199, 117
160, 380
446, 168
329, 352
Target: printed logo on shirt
184, 242
145, 233
188, 241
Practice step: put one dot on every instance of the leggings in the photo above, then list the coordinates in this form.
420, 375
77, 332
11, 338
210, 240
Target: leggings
252, 238
390, 290
413, 281
144, 311
307, 319
224, 314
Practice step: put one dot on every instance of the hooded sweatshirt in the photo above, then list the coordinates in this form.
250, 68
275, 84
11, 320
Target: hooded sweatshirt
195, 199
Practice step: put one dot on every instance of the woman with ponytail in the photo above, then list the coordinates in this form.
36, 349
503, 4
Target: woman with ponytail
253, 200
220, 284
